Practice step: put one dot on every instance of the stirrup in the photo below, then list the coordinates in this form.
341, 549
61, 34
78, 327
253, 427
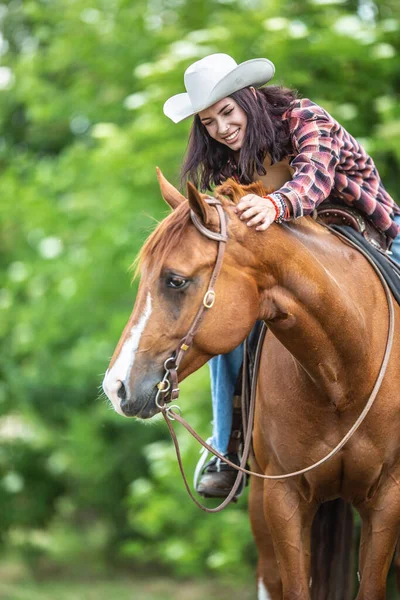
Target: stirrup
201, 464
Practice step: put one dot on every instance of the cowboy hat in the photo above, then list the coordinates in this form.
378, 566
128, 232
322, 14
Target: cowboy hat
212, 78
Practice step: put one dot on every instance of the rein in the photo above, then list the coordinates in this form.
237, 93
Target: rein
169, 384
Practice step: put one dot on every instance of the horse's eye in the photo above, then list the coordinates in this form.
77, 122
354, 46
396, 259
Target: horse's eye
176, 283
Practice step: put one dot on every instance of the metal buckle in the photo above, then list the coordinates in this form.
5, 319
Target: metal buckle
209, 299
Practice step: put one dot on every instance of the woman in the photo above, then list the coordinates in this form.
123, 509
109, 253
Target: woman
293, 146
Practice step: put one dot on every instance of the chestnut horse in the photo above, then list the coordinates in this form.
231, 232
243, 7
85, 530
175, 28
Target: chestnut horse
328, 319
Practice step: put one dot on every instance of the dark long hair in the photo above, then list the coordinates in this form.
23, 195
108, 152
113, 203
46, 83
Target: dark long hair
208, 162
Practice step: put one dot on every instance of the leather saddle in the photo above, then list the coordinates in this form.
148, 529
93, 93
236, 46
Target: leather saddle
334, 214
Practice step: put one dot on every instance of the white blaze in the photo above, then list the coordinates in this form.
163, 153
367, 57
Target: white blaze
262, 591
124, 363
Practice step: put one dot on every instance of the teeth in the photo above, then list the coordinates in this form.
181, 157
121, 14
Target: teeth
232, 136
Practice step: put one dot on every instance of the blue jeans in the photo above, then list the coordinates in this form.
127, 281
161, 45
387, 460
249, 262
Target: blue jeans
396, 244
224, 370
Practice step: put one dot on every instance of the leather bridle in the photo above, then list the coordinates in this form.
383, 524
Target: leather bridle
169, 384
168, 388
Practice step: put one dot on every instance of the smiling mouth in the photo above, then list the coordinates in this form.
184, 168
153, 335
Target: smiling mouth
233, 137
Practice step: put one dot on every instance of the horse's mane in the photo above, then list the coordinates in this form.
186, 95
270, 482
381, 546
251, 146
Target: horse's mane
169, 233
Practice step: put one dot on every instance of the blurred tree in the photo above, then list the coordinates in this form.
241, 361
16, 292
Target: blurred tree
82, 86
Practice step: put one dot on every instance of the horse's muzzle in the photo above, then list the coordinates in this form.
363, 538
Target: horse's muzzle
140, 401
135, 395
142, 410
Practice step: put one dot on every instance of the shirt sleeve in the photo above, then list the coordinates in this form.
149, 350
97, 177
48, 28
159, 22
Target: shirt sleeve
314, 166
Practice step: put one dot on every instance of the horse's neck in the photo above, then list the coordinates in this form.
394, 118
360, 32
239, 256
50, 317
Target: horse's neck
313, 308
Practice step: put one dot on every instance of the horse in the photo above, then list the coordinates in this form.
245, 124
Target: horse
327, 320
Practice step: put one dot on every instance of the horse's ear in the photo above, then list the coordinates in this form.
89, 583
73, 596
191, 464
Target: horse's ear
170, 194
198, 204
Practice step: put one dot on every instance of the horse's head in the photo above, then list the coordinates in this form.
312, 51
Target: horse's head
175, 264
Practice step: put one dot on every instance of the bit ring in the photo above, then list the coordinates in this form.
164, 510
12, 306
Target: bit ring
176, 407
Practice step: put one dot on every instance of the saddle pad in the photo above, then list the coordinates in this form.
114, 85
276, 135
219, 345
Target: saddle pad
387, 267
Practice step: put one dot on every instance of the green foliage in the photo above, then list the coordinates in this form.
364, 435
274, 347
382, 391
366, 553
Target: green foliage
81, 131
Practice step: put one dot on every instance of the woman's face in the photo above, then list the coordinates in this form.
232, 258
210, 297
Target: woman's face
225, 122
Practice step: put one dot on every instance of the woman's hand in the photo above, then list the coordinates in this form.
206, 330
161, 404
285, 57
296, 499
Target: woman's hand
256, 211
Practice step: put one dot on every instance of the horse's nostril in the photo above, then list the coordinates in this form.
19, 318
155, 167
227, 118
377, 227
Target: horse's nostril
122, 392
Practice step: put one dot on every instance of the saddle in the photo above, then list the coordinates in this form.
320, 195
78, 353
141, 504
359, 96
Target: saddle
338, 215
358, 229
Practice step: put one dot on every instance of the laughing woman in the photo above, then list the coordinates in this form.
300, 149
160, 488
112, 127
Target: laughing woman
249, 132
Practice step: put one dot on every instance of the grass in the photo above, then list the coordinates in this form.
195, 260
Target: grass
122, 589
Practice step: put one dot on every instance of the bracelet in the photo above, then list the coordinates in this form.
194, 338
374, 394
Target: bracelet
285, 214
276, 207
281, 209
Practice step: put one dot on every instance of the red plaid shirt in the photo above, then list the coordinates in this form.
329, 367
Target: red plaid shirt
329, 162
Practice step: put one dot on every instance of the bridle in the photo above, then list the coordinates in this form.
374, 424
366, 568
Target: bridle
169, 383
168, 388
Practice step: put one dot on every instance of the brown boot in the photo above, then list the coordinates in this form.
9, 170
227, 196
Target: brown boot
217, 478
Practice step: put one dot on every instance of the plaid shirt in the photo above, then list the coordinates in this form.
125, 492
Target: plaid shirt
329, 162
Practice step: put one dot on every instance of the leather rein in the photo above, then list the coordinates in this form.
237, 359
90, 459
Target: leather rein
168, 388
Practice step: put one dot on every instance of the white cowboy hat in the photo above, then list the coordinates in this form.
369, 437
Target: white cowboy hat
212, 78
